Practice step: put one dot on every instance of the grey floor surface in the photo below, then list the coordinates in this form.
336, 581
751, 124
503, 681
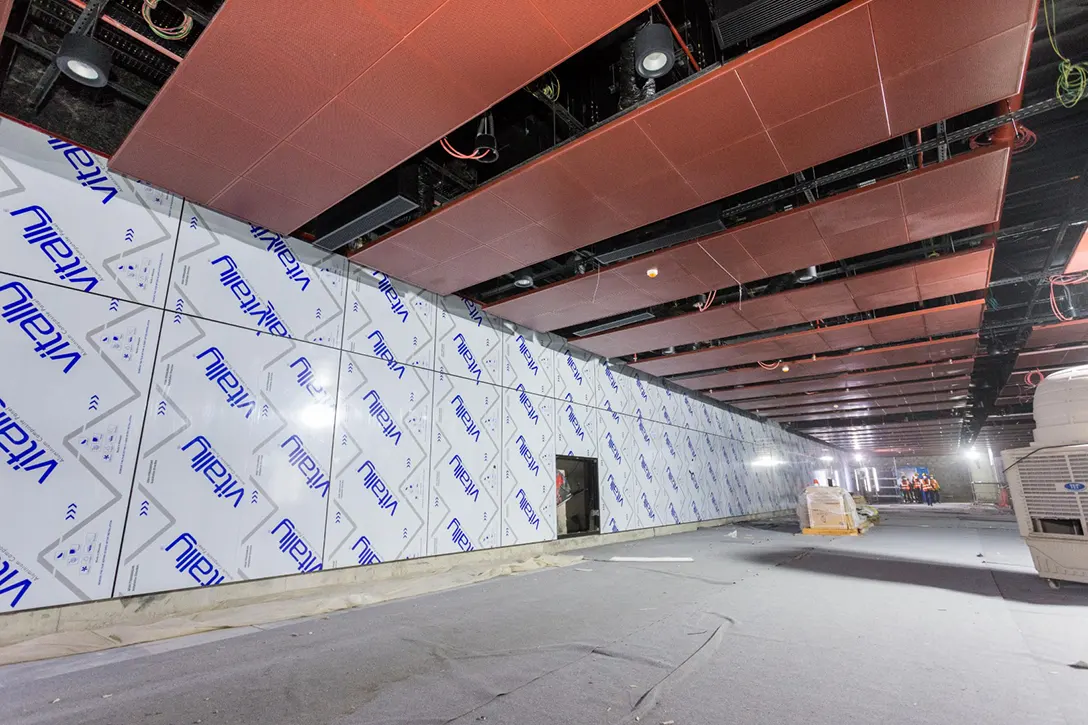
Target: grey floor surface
908, 624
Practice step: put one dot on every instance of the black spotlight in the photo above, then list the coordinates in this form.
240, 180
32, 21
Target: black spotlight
653, 51
84, 59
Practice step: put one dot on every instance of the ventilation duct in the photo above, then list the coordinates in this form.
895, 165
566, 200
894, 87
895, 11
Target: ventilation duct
621, 322
390, 199
757, 17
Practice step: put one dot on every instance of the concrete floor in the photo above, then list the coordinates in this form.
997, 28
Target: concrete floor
933, 617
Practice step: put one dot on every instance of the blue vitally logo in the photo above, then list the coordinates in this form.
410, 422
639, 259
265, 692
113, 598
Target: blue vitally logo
612, 447
641, 388
611, 379
195, 562
523, 348
276, 244
574, 368
248, 302
382, 416
463, 350
219, 372
465, 478
527, 403
527, 456
396, 305
38, 326
31, 458
615, 415
527, 509
642, 426
207, 463
474, 312
42, 233
668, 444
615, 489
459, 537
305, 380
649, 509
9, 582
292, 544
1075, 486
301, 459
645, 468
672, 479
466, 418
366, 554
578, 431
374, 482
381, 350
88, 173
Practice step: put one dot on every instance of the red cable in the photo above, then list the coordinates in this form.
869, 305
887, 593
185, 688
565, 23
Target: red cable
679, 40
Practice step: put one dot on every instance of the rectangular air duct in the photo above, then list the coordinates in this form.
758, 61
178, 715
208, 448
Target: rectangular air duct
758, 17
398, 193
622, 322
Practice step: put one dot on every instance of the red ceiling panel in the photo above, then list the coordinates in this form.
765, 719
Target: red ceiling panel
921, 323
815, 94
1078, 262
920, 405
845, 395
387, 66
1064, 333
918, 352
770, 246
1049, 359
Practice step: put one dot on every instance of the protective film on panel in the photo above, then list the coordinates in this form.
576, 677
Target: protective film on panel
68, 221
75, 375
245, 275
233, 478
381, 468
389, 319
528, 467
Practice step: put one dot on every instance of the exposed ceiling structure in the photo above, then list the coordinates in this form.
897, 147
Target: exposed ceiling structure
843, 216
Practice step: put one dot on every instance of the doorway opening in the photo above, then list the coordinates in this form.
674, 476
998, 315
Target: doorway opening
577, 496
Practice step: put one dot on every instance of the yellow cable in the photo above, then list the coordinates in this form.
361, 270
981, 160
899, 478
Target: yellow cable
1072, 84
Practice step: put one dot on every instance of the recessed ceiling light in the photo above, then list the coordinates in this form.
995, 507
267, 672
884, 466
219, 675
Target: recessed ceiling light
651, 272
785, 368
653, 51
525, 281
85, 60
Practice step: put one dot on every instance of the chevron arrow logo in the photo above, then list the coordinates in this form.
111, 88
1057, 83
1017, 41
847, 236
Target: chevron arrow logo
71, 512
113, 305
351, 367
337, 517
192, 222
93, 404
144, 508
264, 411
130, 234
253, 498
355, 307
318, 313
344, 439
179, 306
161, 408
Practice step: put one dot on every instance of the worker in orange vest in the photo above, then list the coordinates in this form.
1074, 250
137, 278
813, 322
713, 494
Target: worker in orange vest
915, 489
927, 490
936, 490
904, 489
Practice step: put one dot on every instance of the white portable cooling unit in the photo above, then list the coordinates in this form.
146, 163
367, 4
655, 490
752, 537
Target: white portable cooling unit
1048, 482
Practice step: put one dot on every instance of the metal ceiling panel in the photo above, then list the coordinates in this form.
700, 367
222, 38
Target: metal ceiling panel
1047, 359
1063, 333
896, 355
857, 222
385, 69
1078, 262
875, 410
813, 95
921, 323
844, 396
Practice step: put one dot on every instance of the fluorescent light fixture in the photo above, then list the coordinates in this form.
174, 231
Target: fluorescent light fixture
827, 459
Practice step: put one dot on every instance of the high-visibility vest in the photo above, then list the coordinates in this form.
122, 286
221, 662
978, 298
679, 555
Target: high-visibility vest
927, 485
936, 486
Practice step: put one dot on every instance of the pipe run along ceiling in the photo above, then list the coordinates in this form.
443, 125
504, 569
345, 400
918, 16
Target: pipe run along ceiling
943, 198
850, 79
283, 108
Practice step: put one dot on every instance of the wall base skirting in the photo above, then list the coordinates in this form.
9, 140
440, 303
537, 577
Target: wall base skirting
85, 616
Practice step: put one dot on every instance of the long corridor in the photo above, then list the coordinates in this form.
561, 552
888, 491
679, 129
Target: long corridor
933, 617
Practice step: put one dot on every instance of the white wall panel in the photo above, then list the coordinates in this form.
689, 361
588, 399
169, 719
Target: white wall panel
229, 271
381, 465
466, 477
529, 359
388, 318
69, 221
528, 467
74, 376
575, 429
576, 375
468, 342
233, 477
618, 494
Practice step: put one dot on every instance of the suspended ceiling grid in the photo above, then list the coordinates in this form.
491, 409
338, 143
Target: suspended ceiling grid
850, 79
931, 436
942, 198
909, 283
278, 112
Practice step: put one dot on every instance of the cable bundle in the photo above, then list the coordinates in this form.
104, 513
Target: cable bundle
178, 32
1064, 280
1072, 82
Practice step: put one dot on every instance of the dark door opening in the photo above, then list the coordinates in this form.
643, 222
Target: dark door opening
578, 508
